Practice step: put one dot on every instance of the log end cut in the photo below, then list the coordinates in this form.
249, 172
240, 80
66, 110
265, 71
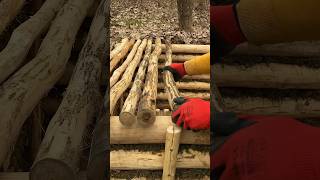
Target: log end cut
146, 117
127, 119
51, 169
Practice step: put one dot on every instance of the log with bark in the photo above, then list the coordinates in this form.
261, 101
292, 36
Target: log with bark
60, 151
118, 89
188, 48
133, 160
118, 72
185, 8
23, 91
147, 106
206, 96
117, 58
156, 133
22, 38
9, 9
128, 113
118, 47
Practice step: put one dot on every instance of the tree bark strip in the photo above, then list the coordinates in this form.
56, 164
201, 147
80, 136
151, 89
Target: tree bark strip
117, 58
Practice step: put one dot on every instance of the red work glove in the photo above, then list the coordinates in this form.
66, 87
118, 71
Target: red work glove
193, 113
273, 148
177, 70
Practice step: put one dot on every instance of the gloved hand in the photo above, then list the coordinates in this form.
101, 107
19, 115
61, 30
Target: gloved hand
225, 26
193, 113
177, 70
271, 148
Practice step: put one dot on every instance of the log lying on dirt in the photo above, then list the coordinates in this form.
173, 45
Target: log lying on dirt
9, 9
118, 47
59, 152
128, 112
177, 58
147, 106
117, 58
133, 160
23, 91
206, 96
118, 72
190, 85
298, 49
156, 133
188, 48
273, 75
22, 38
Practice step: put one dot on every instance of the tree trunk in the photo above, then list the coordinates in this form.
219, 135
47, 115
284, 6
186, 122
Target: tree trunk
147, 105
9, 9
60, 150
117, 58
195, 86
22, 38
185, 14
128, 112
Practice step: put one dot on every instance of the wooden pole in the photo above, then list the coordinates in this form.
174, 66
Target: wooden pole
188, 48
128, 112
118, 72
147, 105
117, 58
177, 58
118, 89
118, 47
9, 9
164, 96
196, 86
22, 38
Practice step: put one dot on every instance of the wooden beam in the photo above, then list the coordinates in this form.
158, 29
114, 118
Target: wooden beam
22, 38
117, 58
147, 106
9, 9
188, 48
118, 47
177, 58
195, 86
133, 160
128, 113
156, 133
206, 96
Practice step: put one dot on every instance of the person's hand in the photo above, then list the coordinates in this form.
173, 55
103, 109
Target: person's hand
193, 113
177, 70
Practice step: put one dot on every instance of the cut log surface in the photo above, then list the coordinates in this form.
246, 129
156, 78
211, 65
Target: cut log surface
188, 48
117, 58
273, 75
206, 96
118, 47
23, 91
156, 133
147, 106
59, 151
9, 9
118, 89
133, 160
128, 112
118, 72
22, 38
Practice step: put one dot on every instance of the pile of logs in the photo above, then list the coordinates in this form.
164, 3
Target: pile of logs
141, 105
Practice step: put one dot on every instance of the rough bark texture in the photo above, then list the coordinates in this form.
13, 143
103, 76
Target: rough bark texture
22, 38
147, 105
118, 89
23, 91
156, 133
118, 72
185, 14
117, 58
128, 112
61, 147
118, 48
133, 160
9, 9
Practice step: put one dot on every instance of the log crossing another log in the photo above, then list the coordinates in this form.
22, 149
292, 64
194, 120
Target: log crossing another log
117, 58
23, 91
156, 133
147, 106
128, 112
118, 47
9, 9
22, 38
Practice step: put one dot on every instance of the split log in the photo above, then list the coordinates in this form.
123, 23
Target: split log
122, 85
118, 47
117, 58
292, 49
22, 38
9, 9
188, 48
189, 85
128, 112
23, 91
206, 96
273, 75
156, 133
147, 105
59, 152
118, 72
171, 151
177, 58
133, 160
